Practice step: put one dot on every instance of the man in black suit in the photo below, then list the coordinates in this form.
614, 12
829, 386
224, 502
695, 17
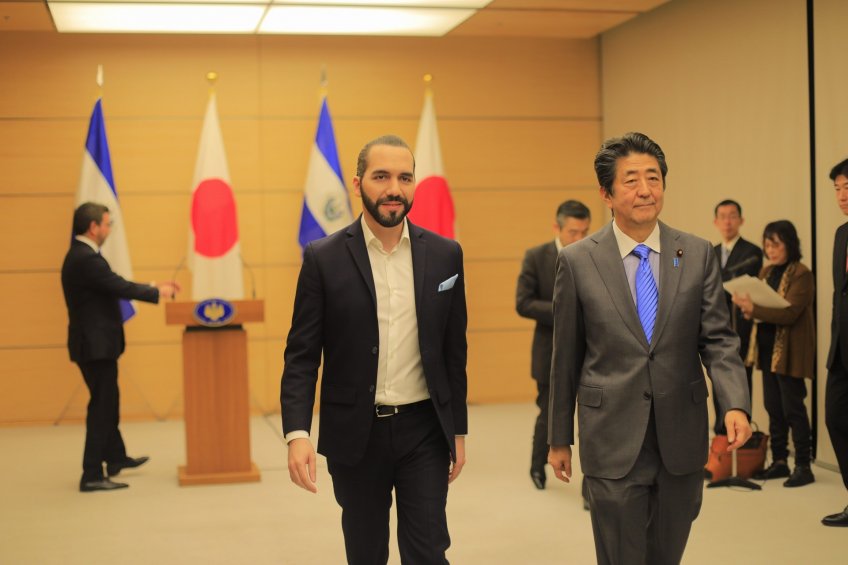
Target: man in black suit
96, 340
534, 300
737, 257
836, 391
384, 302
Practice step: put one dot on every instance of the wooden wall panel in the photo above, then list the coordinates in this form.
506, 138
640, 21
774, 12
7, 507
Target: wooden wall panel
519, 121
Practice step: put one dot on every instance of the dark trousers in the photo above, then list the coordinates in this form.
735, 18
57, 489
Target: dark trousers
407, 452
836, 413
646, 516
539, 457
103, 441
719, 428
783, 397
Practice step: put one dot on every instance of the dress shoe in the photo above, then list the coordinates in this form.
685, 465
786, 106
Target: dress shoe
101, 484
113, 469
838, 520
777, 470
801, 475
538, 479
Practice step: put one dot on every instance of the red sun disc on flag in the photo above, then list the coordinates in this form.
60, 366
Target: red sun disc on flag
213, 218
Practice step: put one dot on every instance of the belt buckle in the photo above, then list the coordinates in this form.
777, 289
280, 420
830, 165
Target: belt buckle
392, 413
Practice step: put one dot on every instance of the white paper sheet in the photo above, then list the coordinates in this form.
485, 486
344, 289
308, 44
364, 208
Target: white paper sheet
761, 293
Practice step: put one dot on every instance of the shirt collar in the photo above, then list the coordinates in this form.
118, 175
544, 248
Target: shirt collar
627, 244
558, 244
88, 242
371, 239
732, 243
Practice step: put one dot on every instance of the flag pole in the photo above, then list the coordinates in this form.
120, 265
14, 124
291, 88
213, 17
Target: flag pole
428, 84
99, 81
322, 84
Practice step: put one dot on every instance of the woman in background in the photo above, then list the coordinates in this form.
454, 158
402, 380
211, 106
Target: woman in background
783, 347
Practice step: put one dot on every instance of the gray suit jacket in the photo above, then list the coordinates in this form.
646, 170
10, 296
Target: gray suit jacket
603, 363
533, 296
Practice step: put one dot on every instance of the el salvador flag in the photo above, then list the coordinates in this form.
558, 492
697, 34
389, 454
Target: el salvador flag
97, 185
326, 205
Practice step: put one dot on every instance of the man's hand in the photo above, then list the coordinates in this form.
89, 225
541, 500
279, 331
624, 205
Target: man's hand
738, 429
169, 288
456, 466
559, 457
302, 464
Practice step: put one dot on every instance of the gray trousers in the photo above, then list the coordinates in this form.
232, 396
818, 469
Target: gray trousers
644, 518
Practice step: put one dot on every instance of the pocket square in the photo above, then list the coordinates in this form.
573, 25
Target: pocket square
447, 284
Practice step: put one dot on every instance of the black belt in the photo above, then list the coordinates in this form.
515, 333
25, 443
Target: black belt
385, 410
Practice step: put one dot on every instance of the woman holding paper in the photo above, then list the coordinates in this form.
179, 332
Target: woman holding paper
783, 346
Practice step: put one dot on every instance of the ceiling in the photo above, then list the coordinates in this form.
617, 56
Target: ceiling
563, 19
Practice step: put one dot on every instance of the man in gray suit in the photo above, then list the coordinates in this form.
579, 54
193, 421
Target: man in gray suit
533, 297
638, 308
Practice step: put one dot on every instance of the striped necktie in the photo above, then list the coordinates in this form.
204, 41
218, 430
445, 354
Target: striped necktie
646, 291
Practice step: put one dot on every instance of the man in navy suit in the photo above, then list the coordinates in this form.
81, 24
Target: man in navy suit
737, 256
383, 301
96, 340
534, 300
836, 391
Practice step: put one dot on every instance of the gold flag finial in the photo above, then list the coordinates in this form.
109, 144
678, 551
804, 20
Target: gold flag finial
322, 87
428, 84
211, 78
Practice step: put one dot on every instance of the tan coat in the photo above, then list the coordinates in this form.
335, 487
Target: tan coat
795, 339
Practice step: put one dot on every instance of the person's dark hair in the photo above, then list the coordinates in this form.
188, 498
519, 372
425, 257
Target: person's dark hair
572, 209
86, 213
840, 169
728, 202
393, 140
785, 232
615, 148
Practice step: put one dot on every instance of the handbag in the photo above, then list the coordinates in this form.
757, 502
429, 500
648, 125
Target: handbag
750, 458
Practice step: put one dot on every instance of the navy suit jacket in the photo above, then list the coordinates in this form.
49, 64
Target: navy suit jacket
335, 314
92, 294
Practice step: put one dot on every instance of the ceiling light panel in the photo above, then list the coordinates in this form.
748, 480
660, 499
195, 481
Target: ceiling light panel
99, 17
338, 20
476, 4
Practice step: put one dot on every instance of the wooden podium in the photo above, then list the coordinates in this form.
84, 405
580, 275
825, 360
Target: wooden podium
215, 395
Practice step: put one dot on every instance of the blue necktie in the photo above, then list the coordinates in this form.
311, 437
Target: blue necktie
646, 291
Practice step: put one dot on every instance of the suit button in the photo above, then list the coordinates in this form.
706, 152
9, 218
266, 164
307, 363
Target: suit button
651, 356
374, 350
646, 395
371, 388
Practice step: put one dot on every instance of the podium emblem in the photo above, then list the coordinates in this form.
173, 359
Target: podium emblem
214, 312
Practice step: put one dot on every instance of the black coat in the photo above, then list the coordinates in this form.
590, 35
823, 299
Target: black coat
838, 334
92, 294
534, 300
745, 259
335, 315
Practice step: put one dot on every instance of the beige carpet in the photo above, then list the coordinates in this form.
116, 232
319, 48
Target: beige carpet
495, 514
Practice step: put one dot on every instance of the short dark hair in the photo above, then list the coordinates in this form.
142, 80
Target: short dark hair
393, 140
615, 148
728, 202
785, 232
572, 209
839, 169
86, 213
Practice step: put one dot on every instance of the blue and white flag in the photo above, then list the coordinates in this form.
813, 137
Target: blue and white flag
326, 205
97, 185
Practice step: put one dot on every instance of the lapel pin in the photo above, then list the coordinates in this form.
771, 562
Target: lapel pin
679, 254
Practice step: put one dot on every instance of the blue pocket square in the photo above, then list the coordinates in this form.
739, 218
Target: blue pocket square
448, 283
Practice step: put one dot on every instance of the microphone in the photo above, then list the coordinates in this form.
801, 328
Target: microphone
174, 276
744, 264
252, 277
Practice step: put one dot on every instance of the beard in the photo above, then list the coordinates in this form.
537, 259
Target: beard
394, 218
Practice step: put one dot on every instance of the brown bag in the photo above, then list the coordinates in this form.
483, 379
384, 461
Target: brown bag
750, 458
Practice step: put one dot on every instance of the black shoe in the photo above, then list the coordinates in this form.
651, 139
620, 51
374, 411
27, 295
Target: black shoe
777, 470
802, 475
538, 479
838, 520
113, 469
101, 484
